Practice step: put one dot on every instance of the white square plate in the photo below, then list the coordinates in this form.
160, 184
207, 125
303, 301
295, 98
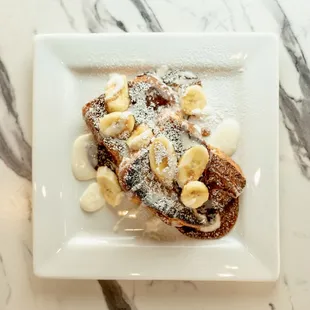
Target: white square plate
239, 73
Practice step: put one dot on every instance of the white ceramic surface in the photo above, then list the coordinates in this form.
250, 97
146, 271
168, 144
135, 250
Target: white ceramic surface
240, 74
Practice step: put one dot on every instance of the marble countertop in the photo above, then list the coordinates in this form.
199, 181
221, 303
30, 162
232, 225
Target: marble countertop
20, 20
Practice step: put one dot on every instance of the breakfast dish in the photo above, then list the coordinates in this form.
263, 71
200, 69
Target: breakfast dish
73, 221
148, 148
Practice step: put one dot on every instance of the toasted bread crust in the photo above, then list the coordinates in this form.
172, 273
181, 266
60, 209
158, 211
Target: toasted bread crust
228, 216
223, 173
156, 92
136, 176
223, 177
92, 112
218, 197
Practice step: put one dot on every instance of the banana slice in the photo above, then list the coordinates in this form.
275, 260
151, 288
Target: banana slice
116, 94
140, 137
192, 164
194, 194
193, 100
117, 125
163, 160
92, 199
109, 185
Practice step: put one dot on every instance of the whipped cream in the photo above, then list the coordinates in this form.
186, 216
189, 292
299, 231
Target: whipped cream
81, 166
226, 136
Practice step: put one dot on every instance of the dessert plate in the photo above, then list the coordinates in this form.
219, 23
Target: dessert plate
240, 75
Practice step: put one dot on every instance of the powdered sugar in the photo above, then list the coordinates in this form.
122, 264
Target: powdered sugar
149, 96
160, 153
115, 84
208, 118
142, 113
180, 78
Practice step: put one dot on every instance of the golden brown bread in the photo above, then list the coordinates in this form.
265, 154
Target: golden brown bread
135, 175
223, 176
104, 158
218, 197
228, 217
223, 173
152, 90
92, 112
146, 88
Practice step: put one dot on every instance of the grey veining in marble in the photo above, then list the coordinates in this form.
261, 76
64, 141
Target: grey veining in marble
114, 295
68, 15
95, 21
148, 15
296, 111
14, 149
99, 18
8, 286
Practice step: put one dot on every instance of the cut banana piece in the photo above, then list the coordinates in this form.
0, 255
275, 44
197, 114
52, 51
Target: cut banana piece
192, 164
109, 185
116, 94
193, 100
163, 160
81, 165
140, 137
194, 194
117, 125
92, 199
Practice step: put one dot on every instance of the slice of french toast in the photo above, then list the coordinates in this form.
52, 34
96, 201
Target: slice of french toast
223, 177
136, 176
147, 94
155, 104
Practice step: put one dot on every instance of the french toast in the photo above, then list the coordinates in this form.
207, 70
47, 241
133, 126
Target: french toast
146, 93
92, 112
147, 89
223, 173
135, 175
223, 177
104, 158
179, 79
227, 217
154, 103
